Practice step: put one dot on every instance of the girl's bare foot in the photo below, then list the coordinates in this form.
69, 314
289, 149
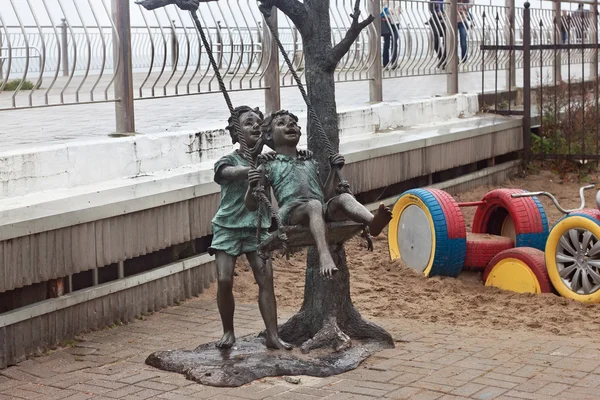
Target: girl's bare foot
226, 341
382, 217
277, 344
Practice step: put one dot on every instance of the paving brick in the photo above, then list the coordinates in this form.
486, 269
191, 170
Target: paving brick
468, 389
89, 388
19, 393
144, 394
488, 393
504, 377
377, 375
529, 371
7, 383
427, 395
526, 395
577, 364
495, 383
406, 379
531, 386
349, 387
309, 391
121, 393
163, 387
438, 387
139, 377
590, 381
553, 389
404, 393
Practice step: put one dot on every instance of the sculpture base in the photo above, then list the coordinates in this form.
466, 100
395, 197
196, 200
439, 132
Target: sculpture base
250, 360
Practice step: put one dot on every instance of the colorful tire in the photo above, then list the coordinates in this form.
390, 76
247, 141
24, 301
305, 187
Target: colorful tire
482, 247
428, 232
573, 257
521, 219
590, 212
520, 270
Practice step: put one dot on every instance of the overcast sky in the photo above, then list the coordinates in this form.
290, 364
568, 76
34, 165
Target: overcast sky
78, 10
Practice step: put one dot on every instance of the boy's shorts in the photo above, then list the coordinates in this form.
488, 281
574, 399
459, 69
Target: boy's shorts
235, 242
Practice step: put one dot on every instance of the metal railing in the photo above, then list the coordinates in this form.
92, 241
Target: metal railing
72, 51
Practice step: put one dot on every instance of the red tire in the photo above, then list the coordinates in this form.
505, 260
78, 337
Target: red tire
532, 258
521, 219
591, 212
454, 218
482, 247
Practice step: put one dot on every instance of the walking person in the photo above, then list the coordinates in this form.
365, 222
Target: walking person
438, 26
564, 26
464, 17
390, 34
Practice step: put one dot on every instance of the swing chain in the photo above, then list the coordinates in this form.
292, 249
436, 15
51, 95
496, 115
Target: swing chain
258, 191
343, 186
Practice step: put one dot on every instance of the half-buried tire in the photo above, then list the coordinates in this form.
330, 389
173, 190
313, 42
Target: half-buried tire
428, 232
482, 247
520, 270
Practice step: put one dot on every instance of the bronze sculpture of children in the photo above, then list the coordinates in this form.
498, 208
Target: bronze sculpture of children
302, 199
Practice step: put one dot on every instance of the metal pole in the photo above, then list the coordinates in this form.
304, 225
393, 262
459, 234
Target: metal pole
124, 110
174, 47
526, 84
65, 47
511, 72
557, 40
1, 60
594, 30
220, 45
272, 90
452, 30
376, 81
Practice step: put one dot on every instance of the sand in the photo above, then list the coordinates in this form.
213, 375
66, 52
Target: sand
462, 301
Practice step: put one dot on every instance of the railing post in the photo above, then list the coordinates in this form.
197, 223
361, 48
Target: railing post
511, 72
174, 46
272, 84
452, 31
376, 81
557, 70
594, 62
1, 60
124, 111
220, 45
526, 84
65, 47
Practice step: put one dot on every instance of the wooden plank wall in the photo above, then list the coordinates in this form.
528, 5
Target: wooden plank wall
61, 252
34, 335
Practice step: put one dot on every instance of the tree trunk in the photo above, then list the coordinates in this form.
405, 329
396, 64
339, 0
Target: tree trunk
327, 317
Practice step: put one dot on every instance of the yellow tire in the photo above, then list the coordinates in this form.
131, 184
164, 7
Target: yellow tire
520, 270
573, 258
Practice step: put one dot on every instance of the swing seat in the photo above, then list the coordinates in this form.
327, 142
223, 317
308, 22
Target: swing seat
299, 236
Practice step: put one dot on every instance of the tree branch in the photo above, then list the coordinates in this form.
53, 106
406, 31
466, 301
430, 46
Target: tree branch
343, 46
294, 9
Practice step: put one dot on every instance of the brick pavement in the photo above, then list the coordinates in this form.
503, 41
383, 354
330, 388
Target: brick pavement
430, 361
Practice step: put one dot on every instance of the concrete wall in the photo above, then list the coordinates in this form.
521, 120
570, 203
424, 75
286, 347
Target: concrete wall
87, 162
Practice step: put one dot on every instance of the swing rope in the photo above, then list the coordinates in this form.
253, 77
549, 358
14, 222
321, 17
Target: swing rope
259, 192
343, 186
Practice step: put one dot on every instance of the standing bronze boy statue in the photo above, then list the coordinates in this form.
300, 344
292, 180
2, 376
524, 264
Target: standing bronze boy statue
235, 233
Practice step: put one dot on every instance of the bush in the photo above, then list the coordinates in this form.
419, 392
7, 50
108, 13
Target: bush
11, 86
